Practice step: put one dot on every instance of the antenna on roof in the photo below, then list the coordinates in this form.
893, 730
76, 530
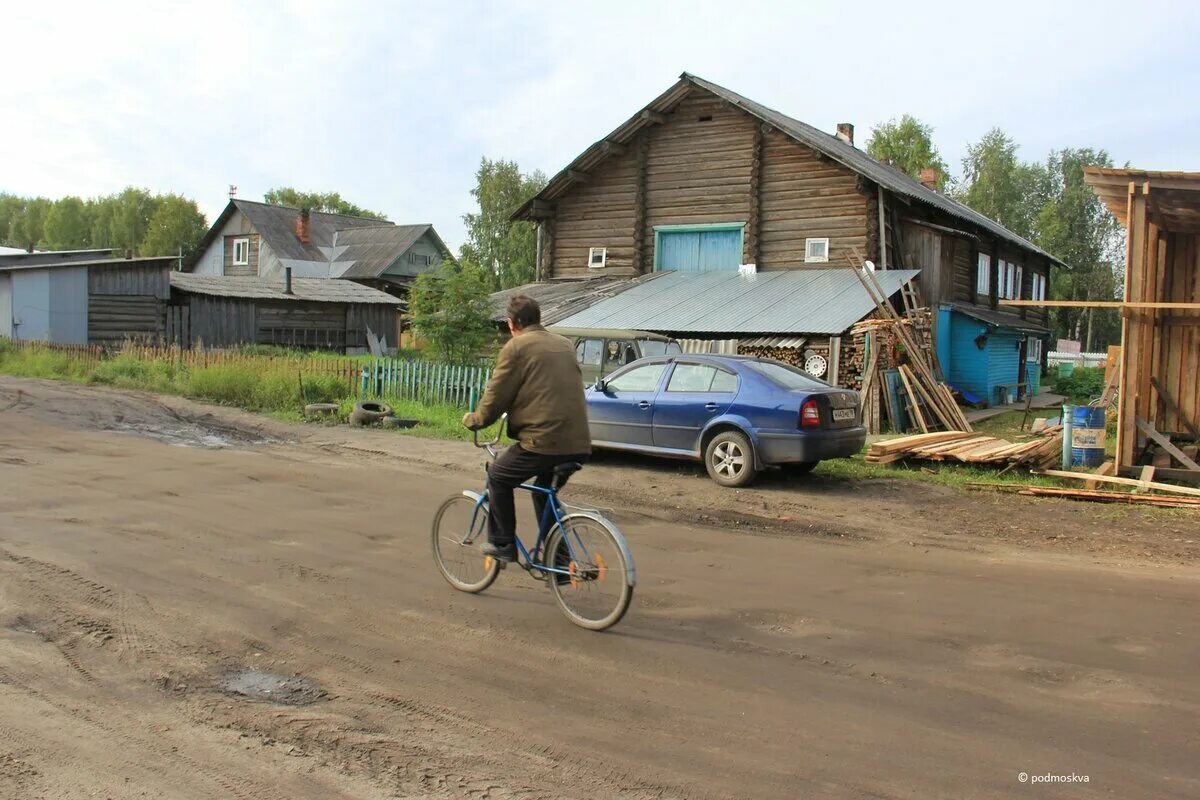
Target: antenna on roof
232, 191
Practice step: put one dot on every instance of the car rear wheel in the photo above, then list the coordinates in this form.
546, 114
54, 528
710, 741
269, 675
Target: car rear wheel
729, 459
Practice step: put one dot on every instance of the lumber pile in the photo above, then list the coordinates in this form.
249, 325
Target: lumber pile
888, 340
971, 448
1091, 495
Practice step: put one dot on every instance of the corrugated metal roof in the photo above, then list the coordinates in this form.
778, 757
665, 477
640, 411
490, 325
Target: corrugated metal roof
564, 298
998, 319
721, 347
798, 301
789, 342
311, 290
164, 261
846, 154
49, 258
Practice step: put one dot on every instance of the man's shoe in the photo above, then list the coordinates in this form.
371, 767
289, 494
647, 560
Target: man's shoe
506, 554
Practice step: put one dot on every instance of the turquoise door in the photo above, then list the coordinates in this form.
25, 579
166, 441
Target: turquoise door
699, 251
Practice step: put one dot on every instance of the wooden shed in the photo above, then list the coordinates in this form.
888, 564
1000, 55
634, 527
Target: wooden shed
83, 297
312, 313
1159, 384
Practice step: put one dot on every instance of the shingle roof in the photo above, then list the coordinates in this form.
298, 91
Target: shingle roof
820, 301
165, 261
277, 226
563, 298
312, 290
374, 249
849, 156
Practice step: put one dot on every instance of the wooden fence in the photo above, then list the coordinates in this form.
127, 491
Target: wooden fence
425, 381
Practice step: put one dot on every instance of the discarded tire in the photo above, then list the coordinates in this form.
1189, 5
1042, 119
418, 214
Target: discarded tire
369, 413
320, 409
400, 422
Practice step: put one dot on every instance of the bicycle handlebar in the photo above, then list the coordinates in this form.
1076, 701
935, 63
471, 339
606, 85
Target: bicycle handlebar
490, 446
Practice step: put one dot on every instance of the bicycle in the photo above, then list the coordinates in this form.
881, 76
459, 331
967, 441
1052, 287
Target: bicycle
580, 554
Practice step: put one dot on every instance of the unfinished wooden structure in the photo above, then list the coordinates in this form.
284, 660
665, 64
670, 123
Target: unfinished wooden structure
704, 179
1159, 385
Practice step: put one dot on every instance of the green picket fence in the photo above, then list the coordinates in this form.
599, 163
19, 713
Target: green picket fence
425, 381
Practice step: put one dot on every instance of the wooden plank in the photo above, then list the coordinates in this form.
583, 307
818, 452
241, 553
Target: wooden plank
1085, 494
914, 407
1145, 479
916, 440
1106, 468
1174, 407
1089, 476
1166, 444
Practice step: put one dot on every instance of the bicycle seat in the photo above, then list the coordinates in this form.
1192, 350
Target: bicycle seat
564, 471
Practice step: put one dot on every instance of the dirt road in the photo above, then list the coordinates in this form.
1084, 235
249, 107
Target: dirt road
257, 616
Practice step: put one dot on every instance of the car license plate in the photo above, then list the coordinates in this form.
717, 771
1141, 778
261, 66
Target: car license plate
843, 414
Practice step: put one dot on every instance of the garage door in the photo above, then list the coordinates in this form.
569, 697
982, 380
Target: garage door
700, 251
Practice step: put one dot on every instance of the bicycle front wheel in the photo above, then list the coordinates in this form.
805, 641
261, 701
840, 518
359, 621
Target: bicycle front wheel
592, 577
459, 529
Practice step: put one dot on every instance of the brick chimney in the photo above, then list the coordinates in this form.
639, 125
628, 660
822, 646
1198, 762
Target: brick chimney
302, 229
930, 178
845, 132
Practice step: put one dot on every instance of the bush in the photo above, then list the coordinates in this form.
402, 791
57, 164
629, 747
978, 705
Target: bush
1082, 385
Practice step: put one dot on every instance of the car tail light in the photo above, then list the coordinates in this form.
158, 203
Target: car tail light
810, 415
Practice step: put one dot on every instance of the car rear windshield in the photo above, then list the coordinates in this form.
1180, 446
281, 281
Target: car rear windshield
785, 375
654, 348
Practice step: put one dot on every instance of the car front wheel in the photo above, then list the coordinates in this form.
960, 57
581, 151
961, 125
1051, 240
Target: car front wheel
729, 459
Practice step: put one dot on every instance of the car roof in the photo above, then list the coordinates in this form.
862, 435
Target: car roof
608, 333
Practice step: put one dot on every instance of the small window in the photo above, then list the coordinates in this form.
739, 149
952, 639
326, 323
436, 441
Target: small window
1033, 350
1038, 287
983, 275
587, 352
1017, 285
816, 250
597, 257
241, 252
638, 379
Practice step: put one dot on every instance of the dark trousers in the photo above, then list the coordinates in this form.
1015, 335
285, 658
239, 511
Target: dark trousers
514, 466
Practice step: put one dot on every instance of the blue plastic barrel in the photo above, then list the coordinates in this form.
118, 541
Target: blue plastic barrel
1087, 436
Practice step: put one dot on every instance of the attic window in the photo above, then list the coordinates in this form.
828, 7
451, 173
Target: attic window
241, 252
816, 250
704, 118
597, 257
419, 259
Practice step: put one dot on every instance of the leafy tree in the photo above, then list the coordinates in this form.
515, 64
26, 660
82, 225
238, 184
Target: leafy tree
908, 144
997, 185
177, 223
28, 229
131, 213
1075, 226
327, 202
11, 208
67, 225
505, 249
450, 310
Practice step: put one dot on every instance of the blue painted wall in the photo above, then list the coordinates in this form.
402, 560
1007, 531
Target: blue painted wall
6, 305
69, 305
967, 366
31, 304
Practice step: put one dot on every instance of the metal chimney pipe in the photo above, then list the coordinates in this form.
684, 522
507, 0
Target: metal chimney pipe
287, 280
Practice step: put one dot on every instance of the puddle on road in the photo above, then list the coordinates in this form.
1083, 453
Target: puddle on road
191, 435
268, 687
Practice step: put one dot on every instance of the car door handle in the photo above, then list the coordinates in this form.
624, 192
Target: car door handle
645, 404
710, 406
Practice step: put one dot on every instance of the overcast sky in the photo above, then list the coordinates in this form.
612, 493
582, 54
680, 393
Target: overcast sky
393, 104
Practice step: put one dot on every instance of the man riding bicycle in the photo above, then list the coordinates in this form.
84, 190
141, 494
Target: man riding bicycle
537, 382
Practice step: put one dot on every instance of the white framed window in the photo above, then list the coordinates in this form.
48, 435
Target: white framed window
983, 275
816, 250
241, 252
1017, 284
1033, 348
597, 257
1037, 287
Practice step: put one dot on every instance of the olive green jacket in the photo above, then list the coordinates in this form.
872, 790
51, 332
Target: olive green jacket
538, 382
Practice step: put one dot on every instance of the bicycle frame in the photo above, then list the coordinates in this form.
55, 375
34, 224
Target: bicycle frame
551, 515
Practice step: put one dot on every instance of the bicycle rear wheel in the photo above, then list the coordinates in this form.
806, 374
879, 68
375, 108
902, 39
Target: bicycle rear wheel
594, 586
459, 528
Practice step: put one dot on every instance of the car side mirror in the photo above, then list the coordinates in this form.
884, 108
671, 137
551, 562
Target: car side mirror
601, 385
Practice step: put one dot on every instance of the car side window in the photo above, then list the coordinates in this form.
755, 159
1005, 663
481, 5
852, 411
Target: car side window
701, 378
639, 379
724, 382
691, 378
587, 352
618, 353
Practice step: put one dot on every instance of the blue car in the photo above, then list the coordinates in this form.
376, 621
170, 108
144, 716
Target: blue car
738, 413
